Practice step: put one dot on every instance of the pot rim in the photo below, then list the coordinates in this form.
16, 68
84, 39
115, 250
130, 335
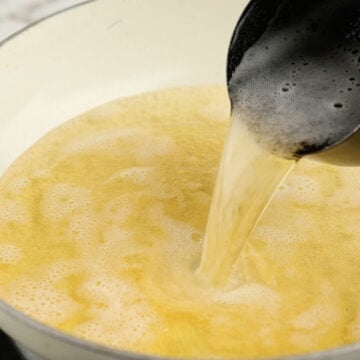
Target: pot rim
36, 325
117, 353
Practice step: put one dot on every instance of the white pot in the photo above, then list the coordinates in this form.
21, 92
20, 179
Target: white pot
87, 56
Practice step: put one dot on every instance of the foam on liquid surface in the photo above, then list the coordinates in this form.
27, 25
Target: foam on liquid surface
102, 225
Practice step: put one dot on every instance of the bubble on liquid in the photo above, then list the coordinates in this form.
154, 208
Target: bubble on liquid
282, 253
42, 300
129, 329
116, 239
14, 211
119, 209
83, 228
181, 244
153, 147
60, 270
116, 234
302, 189
129, 324
347, 193
278, 235
17, 185
139, 175
105, 289
164, 191
318, 316
10, 254
61, 201
254, 295
104, 141
40, 174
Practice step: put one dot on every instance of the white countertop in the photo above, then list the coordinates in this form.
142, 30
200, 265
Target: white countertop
16, 14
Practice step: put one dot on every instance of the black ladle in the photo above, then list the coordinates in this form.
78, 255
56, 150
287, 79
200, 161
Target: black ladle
294, 77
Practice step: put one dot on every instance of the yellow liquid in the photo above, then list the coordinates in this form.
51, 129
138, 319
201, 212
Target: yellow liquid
247, 179
102, 225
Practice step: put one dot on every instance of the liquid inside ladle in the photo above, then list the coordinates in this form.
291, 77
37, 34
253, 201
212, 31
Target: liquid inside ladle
294, 77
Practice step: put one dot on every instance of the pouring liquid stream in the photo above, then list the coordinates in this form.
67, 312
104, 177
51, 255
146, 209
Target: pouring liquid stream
289, 94
248, 178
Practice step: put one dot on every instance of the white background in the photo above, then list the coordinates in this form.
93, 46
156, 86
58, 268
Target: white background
16, 14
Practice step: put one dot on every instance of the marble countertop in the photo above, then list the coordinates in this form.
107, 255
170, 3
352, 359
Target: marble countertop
16, 14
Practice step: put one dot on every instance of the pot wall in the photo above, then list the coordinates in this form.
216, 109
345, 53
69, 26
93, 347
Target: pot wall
92, 54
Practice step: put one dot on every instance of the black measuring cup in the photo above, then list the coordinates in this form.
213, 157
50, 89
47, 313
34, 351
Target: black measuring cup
294, 77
